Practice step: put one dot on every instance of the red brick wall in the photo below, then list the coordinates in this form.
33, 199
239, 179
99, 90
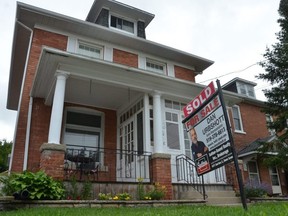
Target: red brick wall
40, 38
161, 173
254, 124
125, 58
39, 131
184, 73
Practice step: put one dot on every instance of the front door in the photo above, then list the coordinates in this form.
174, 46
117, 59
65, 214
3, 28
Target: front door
126, 167
276, 187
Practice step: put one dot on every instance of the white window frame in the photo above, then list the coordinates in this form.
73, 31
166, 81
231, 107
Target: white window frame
252, 173
240, 120
89, 112
156, 63
92, 46
125, 19
247, 88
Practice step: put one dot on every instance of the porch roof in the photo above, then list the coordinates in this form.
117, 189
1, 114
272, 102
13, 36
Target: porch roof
106, 84
252, 148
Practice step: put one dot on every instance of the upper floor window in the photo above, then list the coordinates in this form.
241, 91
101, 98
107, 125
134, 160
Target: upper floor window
122, 24
245, 89
237, 119
89, 50
269, 120
155, 66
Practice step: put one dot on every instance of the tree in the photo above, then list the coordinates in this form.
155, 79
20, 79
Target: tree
276, 73
5, 150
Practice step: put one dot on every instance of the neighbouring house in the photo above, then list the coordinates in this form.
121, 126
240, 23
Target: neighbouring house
250, 131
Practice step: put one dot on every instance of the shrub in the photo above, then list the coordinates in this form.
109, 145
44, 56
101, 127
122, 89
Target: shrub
35, 186
157, 193
256, 189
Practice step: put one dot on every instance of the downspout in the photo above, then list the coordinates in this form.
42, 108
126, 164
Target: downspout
29, 117
29, 108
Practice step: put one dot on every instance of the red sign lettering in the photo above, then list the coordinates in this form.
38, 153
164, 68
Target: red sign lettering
205, 94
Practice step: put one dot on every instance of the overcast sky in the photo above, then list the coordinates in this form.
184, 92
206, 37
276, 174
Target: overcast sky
232, 33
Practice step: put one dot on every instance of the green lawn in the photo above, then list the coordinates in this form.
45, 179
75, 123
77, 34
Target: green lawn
264, 209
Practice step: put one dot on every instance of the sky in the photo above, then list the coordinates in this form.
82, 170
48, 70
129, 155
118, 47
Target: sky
233, 34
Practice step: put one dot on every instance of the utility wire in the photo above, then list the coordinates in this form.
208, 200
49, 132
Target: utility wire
238, 71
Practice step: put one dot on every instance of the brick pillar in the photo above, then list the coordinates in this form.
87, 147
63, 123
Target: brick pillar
161, 172
52, 160
232, 175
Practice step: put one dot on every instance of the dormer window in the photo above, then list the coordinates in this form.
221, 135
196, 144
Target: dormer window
122, 24
245, 89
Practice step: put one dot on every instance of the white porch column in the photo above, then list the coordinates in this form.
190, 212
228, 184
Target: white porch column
157, 123
57, 109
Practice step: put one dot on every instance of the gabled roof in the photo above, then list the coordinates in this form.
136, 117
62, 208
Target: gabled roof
253, 147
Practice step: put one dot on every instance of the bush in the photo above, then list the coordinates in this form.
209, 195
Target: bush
256, 189
34, 186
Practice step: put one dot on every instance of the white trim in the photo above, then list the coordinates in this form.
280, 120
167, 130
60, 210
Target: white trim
90, 111
240, 120
118, 16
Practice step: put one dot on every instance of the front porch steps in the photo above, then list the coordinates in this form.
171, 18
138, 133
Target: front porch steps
217, 195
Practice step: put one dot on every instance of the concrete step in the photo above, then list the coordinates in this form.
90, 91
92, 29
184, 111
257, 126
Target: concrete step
221, 195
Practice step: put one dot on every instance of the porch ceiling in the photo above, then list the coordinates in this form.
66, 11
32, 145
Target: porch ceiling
105, 84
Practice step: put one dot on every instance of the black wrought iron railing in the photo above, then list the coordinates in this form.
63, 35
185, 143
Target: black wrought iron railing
109, 165
186, 173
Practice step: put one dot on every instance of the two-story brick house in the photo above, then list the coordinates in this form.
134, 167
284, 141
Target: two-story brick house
97, 95
249, 128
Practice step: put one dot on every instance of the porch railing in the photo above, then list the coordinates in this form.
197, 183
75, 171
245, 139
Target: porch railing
186, 173
106, 165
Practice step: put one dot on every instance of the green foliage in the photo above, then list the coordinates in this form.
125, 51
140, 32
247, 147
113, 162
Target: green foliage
276, 73
38, 185
74, 193
103, 196
256, 189
156, 193
87, 190
279, 160
122, 196
5, 150
269, 209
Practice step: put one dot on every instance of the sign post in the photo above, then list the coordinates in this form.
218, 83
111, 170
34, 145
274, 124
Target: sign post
207, 121
238, 173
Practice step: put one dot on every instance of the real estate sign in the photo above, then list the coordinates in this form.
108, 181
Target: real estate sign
205, 115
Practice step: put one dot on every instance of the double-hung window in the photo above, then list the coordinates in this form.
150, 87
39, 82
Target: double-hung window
122, 24
84, 130
238, 126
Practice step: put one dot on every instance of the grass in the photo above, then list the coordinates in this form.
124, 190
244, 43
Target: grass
264, 209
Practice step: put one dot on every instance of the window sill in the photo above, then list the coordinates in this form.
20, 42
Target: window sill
239, 132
